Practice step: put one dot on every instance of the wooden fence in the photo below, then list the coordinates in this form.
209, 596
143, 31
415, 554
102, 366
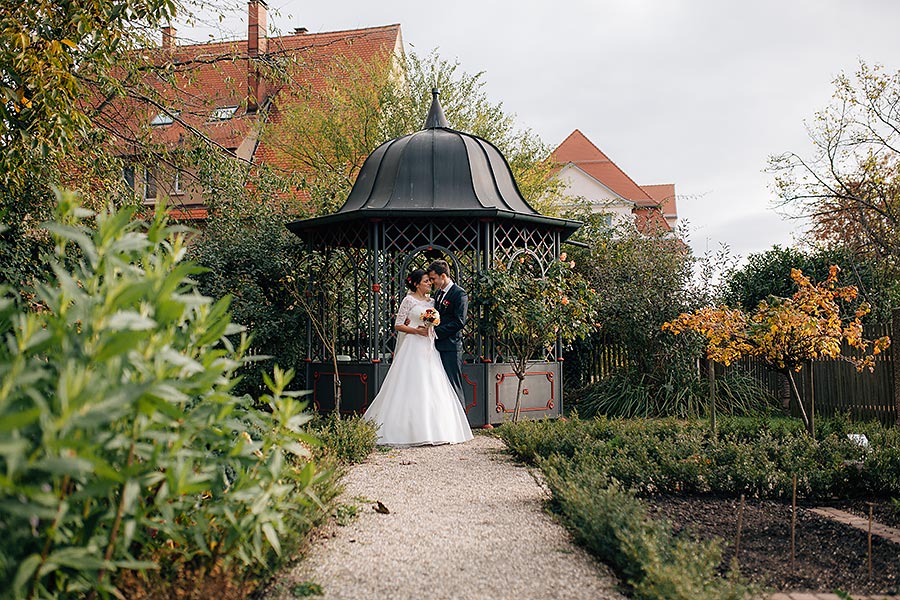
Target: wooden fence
592, 362
833, 387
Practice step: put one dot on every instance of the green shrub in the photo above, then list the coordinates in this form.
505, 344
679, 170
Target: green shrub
754, 456
614, 526
346, 440
122, 447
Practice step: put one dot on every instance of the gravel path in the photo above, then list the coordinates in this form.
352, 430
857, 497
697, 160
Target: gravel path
465, 522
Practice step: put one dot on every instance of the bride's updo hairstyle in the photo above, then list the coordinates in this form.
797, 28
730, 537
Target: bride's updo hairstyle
414, 278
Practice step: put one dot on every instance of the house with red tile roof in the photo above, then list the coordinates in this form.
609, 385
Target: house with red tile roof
588, 173
220, 94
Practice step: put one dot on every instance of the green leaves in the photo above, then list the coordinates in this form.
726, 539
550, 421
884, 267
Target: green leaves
117, 421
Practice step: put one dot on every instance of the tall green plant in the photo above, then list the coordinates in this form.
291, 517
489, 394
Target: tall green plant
120, 439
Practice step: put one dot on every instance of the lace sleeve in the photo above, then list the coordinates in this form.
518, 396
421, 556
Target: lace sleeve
403, 311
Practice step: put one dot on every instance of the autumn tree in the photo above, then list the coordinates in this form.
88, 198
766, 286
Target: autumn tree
363, 104
45, 48
73, 76
786, 333
849, 185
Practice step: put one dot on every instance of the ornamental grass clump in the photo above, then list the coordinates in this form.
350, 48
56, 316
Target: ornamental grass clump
124, 456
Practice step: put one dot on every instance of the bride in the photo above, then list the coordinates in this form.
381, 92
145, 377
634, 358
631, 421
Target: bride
416, 404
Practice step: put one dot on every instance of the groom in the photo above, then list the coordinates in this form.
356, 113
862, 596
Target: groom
451, 302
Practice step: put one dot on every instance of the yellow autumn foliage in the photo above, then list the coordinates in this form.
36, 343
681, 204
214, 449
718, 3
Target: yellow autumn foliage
786, 332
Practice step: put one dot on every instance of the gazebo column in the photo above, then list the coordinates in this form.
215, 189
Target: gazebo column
374, 316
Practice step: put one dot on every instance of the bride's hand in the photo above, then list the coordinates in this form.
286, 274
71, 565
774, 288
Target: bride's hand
422, 330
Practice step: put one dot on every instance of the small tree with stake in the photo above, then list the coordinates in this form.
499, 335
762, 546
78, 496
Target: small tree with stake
787, 332
319, 301
529, 312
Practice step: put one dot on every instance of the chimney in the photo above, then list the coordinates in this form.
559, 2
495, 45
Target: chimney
168, 37
300, 30
256, 28
256, 46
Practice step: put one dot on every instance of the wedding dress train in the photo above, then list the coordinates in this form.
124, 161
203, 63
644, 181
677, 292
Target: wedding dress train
416, 404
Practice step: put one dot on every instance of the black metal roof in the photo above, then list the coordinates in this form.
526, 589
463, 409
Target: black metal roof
437, 172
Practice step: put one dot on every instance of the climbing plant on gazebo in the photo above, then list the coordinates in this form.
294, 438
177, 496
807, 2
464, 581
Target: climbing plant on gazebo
529, 312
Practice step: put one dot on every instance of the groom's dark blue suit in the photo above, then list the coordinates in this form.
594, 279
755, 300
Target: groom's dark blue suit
453, 307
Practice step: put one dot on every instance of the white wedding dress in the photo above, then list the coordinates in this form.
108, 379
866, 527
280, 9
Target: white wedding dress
416, 404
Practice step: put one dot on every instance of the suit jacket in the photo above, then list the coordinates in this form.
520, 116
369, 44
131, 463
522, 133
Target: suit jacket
453, 308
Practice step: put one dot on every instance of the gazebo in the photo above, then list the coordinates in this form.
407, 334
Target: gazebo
436, 193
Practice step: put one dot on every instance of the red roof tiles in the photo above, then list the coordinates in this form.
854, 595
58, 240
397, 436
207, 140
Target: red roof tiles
578, 150
200, 78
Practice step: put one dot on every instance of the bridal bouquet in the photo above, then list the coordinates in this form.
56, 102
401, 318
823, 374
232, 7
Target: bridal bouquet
430, 316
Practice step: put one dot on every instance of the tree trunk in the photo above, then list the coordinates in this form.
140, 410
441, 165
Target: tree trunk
520, 373
337, 388
812, 402
799, 401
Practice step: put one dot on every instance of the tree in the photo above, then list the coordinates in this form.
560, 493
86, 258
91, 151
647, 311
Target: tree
850, 186
769, 274
787, 332
46, 136
330, 133
248, 254
45, 50
641, 281
528, 311
319, 298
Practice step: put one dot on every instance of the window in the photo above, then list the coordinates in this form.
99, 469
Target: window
223, 114
176, 183
164, 118
128, 177
149, 183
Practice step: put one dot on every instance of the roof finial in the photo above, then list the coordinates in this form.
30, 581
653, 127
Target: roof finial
436, 116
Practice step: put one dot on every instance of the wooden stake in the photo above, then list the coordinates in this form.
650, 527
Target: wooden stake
870, 540
737, 542
711, 369
793, 519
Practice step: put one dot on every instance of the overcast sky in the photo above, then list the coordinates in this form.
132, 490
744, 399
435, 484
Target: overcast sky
692, 92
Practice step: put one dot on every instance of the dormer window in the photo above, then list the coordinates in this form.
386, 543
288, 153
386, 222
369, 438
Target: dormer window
164, 118
223, 114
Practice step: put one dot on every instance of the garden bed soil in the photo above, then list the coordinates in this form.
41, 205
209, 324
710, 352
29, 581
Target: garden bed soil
828, 555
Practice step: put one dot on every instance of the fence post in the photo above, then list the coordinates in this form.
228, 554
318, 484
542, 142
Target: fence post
895, 355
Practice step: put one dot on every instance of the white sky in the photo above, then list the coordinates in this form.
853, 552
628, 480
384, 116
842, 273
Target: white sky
692, 92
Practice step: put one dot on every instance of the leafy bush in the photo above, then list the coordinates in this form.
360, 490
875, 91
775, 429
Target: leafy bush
122, 447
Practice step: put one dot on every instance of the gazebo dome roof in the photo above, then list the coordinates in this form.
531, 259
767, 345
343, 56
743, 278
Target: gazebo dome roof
436, 168
437, 172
